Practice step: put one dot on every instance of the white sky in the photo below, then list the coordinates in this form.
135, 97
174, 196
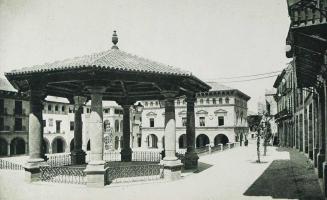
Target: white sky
212, 39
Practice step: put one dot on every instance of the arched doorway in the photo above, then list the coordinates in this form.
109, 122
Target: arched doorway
72, 145
202, 140
152, 140
3, 147
88, 146
221, 139
182, 144
45, 145
17, 146
58, 145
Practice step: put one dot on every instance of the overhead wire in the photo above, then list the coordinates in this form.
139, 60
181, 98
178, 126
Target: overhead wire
246, 80
246, 76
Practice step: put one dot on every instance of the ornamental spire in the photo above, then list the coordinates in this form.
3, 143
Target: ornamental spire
114, 40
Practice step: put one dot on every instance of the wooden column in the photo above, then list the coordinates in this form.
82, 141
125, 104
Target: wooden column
35, 134
172, 165
191, 157
78, 155
95, 169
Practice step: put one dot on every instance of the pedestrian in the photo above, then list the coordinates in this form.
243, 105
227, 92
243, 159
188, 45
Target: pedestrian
246, 142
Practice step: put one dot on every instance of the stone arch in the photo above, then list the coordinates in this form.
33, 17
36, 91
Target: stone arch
72, 145
202, 140
3, 147
182, 144
17, 146
45, 145
221, 139
58, 145
152, 141
88, 146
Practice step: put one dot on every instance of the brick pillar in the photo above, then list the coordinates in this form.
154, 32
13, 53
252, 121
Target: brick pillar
172, 165
78, 155
191, 157
35, 135
95, 169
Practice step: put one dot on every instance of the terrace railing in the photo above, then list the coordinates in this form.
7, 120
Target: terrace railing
70, 175
132, 173
5, 164
58, 159
148, 156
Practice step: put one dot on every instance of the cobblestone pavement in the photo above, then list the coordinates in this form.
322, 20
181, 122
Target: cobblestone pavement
232, 174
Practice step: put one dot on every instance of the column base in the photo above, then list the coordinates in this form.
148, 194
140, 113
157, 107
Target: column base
32, 169
78, 157
126, 155
320, 160
191, 160
315, 154
172, 169
96, 174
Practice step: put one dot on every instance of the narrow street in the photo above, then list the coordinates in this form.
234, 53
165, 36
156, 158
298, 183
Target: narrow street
232, 174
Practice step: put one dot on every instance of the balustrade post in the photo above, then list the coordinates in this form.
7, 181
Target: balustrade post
8, 149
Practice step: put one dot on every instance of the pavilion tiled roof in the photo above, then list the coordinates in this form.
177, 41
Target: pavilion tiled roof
112, 59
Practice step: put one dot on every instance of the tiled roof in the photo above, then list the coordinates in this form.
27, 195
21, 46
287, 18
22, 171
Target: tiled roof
112, 59
217, 86
6, 86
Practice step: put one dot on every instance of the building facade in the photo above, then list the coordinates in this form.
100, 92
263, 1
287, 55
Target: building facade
306, 44
220, 117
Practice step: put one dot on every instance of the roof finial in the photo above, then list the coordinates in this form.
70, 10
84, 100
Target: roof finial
114, 40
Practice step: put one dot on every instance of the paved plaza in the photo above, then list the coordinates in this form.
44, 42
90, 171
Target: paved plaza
232, 174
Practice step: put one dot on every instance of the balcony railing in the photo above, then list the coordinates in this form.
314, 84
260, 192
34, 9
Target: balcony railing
305, 13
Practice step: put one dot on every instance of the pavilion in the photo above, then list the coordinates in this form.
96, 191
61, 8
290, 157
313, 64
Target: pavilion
110, 75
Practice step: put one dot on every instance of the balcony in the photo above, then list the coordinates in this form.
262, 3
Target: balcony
283, 114
308, 12
5, 129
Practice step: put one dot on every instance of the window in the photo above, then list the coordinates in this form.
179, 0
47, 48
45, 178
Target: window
184, 121
44, 123
18, 107
2, 124
220, 100
208, 101
70, 110
151, 122
2, 106
214, 101
221, 121
116, 125
118, 112
178, 102
227, 100
201, 101
151, 103
56, 108
88, 110
58, 126
72, 125
106, 110
18, 124
183, 101
146, 104
63, 108
157, 103
202, 121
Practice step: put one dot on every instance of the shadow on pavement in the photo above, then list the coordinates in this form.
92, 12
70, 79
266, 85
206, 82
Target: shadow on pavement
290, 179
202, 166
